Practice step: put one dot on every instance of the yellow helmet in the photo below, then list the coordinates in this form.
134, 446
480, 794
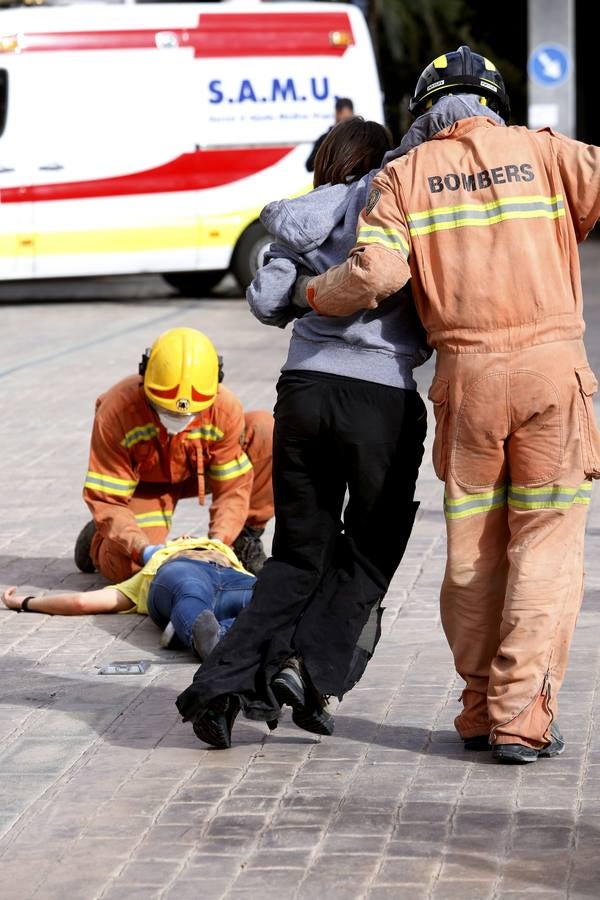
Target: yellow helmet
182, 373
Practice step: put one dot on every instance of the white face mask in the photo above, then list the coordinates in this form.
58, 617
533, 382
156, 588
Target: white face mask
174, 423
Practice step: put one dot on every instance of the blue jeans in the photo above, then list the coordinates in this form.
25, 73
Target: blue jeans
183, 588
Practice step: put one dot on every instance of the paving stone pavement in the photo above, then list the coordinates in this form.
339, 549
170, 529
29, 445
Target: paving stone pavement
105, 794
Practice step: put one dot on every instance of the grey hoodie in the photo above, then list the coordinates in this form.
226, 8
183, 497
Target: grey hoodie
317, 231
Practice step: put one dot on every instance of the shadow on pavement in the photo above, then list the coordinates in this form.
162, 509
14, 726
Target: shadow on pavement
90, 697
536, 852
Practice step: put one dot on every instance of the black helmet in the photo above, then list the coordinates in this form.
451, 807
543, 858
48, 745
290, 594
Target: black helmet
472, 73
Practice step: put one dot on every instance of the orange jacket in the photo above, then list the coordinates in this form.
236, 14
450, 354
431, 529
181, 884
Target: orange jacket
486, 221
129, 446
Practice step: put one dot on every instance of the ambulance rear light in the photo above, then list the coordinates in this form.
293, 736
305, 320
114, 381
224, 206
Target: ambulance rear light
9, 43
340, 38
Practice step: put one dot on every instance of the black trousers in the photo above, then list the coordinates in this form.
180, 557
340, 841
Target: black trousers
319, 595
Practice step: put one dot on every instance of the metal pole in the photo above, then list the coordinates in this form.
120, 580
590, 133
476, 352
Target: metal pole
551, 67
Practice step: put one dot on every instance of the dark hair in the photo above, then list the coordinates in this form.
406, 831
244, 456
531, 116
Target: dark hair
344, 103
351, 149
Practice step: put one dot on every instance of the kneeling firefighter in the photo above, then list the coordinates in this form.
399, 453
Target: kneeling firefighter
174, 431
486, 219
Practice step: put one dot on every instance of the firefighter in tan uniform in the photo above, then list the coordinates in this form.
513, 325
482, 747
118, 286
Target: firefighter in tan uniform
485, 220
171, 432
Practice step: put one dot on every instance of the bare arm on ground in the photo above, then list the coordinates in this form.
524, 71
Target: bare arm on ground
82, 603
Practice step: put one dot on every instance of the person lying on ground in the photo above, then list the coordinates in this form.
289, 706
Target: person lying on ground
193, 589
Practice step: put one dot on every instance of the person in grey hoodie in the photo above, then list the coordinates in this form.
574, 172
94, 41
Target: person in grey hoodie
348, 418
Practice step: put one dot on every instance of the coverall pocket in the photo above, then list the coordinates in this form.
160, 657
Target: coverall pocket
438, 394
588, 429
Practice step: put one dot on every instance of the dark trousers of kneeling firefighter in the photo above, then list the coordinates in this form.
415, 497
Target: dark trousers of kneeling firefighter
319, 595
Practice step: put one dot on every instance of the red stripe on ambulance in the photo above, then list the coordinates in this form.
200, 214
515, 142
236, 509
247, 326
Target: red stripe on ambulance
217, 35
189, 172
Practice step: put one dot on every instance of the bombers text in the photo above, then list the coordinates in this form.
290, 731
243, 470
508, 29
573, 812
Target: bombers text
477, 181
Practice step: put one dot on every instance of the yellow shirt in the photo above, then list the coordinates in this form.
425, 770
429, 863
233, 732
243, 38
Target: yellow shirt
137, 587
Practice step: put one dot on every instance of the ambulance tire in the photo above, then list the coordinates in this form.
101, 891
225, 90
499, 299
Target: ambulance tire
249, 253
193, 284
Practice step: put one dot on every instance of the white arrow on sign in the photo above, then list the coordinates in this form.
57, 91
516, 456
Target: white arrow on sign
552, 67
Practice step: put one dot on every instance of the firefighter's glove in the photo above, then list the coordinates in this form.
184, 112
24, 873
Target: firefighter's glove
149, 551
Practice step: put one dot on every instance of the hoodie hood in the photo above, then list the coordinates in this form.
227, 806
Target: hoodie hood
304, 223
318, 230
447, 111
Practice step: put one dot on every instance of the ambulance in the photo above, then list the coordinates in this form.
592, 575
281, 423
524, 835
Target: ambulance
147, 138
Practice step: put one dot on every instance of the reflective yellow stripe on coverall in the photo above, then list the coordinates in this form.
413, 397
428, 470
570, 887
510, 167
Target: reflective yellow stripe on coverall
514, 575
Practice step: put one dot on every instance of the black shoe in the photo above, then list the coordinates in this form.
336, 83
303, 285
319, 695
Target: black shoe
249, 549
215, 724
205, 634
514, 754
479, 742
556, 746
82, 557
289, 687
518, 754
308, 713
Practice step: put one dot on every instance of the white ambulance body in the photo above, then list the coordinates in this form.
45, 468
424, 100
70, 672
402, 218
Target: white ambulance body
147, 138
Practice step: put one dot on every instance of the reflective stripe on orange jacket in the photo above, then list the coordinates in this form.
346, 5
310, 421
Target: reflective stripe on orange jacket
486, 221
129, 446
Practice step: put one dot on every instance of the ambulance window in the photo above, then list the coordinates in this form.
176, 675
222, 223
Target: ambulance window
3, 98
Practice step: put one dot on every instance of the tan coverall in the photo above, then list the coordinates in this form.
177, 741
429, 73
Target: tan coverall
137, 473
486, 221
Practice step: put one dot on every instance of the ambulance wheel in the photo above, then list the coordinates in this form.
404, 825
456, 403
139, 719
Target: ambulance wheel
249, 253
193, 284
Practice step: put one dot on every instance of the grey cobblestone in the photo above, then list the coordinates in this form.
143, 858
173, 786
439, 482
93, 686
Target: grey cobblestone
107, 796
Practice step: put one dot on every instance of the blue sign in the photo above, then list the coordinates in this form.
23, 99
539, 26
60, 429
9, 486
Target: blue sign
550, 65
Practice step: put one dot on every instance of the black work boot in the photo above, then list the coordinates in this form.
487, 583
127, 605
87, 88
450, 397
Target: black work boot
514, 754
249, 549
308, 710
518, 754
556, 746
83, 544
214, 725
